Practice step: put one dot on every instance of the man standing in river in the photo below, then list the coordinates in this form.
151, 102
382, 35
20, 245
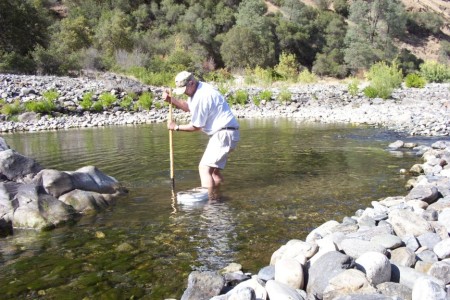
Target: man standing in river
211, 114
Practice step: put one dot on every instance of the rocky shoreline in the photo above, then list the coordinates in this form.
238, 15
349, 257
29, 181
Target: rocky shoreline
397, 249
414, 111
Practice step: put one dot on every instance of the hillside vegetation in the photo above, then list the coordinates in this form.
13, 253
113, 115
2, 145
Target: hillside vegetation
154, 39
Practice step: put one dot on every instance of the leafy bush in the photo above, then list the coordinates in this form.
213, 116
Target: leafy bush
285, 96
220, 75
265, 95
145, 100
152, 78
86, 101
307, 77
40, 106
383, 79
370, 92
97, 106
126, 102
10, 109
50, 95
241, 97
434, 71
288, 66
353, 87
415, 81
424, 23
107, 99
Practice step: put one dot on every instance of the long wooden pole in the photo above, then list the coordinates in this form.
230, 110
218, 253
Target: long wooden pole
172, 176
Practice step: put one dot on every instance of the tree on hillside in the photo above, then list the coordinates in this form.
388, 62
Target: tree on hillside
23, 26
250, 42
373, 25
330, 61
295, 31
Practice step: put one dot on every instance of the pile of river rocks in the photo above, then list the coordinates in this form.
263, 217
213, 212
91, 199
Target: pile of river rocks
416, 111
397, 249
32, 197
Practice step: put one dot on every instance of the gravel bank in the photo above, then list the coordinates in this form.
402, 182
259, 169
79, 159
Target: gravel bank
423, 112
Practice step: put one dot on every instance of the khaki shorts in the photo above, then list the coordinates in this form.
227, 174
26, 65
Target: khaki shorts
220, 144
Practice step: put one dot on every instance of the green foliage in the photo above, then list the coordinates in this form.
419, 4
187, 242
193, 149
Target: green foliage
288, 66
145, 100
341, 7
126, 102
373, 26
444, 53
152, 78
370, 92
284, 96
306, 76
50, 95
353, 87
424, 23
408, 62
265, 95
433, 71
107, 99
12, 62
46, 105
415, 81
220, 75
11, 109
239, 97
383, 79
97, 106
86, 101
40, 106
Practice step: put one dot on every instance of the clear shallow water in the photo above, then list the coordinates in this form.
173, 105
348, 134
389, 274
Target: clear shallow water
284, 179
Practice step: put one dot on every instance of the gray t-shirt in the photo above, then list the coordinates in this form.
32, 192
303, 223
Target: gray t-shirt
209, 109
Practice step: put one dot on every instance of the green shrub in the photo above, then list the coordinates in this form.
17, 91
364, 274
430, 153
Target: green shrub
288, 66
107, 99
383, 79
241, 97
415, 81
220, 75
10, 109
223, 89
46, 105
86, 101
433, 71
145, 100
285, 96
265, 95
370, 92
97, 106
50, 96
126, 102
152, 78
353, 87
40, 106
307, 77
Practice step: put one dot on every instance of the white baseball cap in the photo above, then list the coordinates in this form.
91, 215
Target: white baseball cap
181, 80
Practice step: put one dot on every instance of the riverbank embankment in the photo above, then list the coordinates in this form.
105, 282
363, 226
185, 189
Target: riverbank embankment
423, 112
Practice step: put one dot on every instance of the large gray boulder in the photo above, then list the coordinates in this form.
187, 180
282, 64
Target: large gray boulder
16, 167
86, 202
406, 222
203, 285
326, 267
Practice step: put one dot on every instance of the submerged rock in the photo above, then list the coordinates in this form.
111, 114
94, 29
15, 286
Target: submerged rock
32, 197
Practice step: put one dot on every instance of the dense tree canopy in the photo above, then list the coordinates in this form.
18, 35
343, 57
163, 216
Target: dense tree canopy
161, 35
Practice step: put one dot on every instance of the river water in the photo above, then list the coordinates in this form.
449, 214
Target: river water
284, 179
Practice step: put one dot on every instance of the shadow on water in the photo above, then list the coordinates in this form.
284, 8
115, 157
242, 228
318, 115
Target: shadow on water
284, 179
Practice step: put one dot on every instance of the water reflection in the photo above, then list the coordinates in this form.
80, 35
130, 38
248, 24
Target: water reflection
215, 232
